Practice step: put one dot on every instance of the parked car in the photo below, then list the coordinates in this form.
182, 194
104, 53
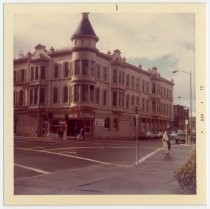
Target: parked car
172, 134
180, 137
193, 138
147, 135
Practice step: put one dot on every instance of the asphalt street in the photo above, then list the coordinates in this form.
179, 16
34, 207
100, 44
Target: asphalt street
49, 166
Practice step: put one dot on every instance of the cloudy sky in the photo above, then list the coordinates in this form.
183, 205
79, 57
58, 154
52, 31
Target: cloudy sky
165, 40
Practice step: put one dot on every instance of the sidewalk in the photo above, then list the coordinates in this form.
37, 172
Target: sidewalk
152, 176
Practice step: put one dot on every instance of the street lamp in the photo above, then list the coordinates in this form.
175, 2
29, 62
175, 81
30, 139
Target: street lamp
136, 135
190, 118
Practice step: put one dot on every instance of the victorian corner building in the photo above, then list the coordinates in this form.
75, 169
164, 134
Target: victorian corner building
83, 87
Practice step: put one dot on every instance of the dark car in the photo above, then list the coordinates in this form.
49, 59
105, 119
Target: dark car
180, 138
193, 138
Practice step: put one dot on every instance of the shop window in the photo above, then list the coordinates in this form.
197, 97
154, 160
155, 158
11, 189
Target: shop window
56, 69
55, 95
115, 123
66, 69
65, 94
107, 123
43, 72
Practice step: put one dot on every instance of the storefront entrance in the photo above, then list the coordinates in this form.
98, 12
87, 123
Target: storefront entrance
74, 125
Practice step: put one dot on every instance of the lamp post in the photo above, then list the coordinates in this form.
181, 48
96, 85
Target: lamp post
190, 117
136, 135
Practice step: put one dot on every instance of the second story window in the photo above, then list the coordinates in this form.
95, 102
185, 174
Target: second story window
32, 73
35, 96
76, 93
43, 72
92, 68
127, 101
31, 97
55, 95
76, 67
98, 72
66, 69
42, 96
22, 75
127, 80
123, 78
56, 69
104, 97
36, 73
132, 82
153, 88
65, 94
114, 76
105, 73
137, 84
85, 67
21, 97
98, 95
132, 100
114, 98
85, 93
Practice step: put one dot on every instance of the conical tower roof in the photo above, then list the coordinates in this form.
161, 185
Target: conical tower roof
84, 29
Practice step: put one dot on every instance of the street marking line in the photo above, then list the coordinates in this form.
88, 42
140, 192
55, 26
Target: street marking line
70, 156
31, 168
57, 149
149, 155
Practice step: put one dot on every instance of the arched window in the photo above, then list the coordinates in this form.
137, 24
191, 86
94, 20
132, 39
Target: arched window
55, 95
107, 123
65, 94
115, 123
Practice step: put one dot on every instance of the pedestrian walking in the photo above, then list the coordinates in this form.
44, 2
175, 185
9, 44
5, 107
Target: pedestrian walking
82, 133
65, 131
75, 132
166, 142
58, 132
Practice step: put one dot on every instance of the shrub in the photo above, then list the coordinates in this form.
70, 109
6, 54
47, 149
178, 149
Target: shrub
186, 175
